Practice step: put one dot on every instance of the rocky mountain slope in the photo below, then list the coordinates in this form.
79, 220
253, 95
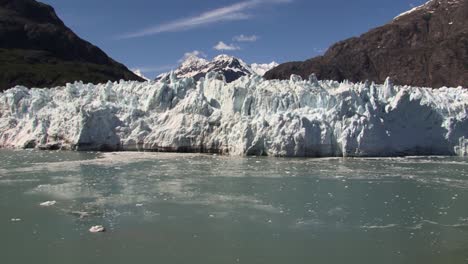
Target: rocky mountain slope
232, 68
426, 46
38, 50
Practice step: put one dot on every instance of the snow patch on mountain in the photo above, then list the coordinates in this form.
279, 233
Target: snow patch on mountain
412, 10
427, 6
250, 116
191, 67
140, 74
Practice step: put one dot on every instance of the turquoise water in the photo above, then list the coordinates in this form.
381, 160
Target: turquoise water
177, 208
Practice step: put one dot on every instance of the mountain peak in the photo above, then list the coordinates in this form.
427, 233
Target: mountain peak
430, 7
231, 67
224, 57
193, 61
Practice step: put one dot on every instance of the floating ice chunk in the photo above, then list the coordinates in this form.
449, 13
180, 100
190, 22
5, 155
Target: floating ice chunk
48, 203
97, 229
80, 214
379, 226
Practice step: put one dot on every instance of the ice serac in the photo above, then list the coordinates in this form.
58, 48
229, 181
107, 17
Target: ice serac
250, 116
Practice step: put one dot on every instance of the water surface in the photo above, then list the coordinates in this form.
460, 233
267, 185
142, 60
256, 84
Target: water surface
185, 208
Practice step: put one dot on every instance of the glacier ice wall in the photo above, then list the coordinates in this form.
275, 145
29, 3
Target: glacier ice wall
250, 116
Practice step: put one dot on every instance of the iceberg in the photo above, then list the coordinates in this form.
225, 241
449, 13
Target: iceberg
250, 116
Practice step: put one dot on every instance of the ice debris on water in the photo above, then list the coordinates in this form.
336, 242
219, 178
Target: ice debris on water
80, 214
48, 203
250, 116
97, 229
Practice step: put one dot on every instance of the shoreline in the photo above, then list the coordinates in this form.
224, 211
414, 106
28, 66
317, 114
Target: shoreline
227, 155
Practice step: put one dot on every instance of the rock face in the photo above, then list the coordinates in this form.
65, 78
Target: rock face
38, 50
426, 46
250, 116
230, 67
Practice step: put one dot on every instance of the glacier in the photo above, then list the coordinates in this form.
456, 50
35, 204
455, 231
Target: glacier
250, 116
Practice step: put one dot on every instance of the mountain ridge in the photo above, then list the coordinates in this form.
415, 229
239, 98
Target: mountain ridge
231, 67
39, 50
426, 46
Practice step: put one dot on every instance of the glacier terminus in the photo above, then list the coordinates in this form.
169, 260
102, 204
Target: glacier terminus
250, 116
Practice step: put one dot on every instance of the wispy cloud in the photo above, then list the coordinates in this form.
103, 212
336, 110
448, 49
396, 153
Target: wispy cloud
223, 46
232, 12
244, 38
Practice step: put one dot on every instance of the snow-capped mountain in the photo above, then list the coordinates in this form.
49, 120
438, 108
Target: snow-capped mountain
232, 68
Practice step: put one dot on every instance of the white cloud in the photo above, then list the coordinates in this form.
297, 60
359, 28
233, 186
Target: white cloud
223, 46
228, 13
195, 53
244, 38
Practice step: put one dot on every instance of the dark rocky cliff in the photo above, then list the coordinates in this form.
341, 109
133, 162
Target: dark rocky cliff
38, 50
425, 47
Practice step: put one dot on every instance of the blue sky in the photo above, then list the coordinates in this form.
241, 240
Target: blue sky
154, 35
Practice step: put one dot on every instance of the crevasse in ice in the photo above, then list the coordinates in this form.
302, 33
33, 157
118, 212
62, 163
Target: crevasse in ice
250, 116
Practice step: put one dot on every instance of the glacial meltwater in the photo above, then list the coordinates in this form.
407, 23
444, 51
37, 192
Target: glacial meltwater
187, 208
